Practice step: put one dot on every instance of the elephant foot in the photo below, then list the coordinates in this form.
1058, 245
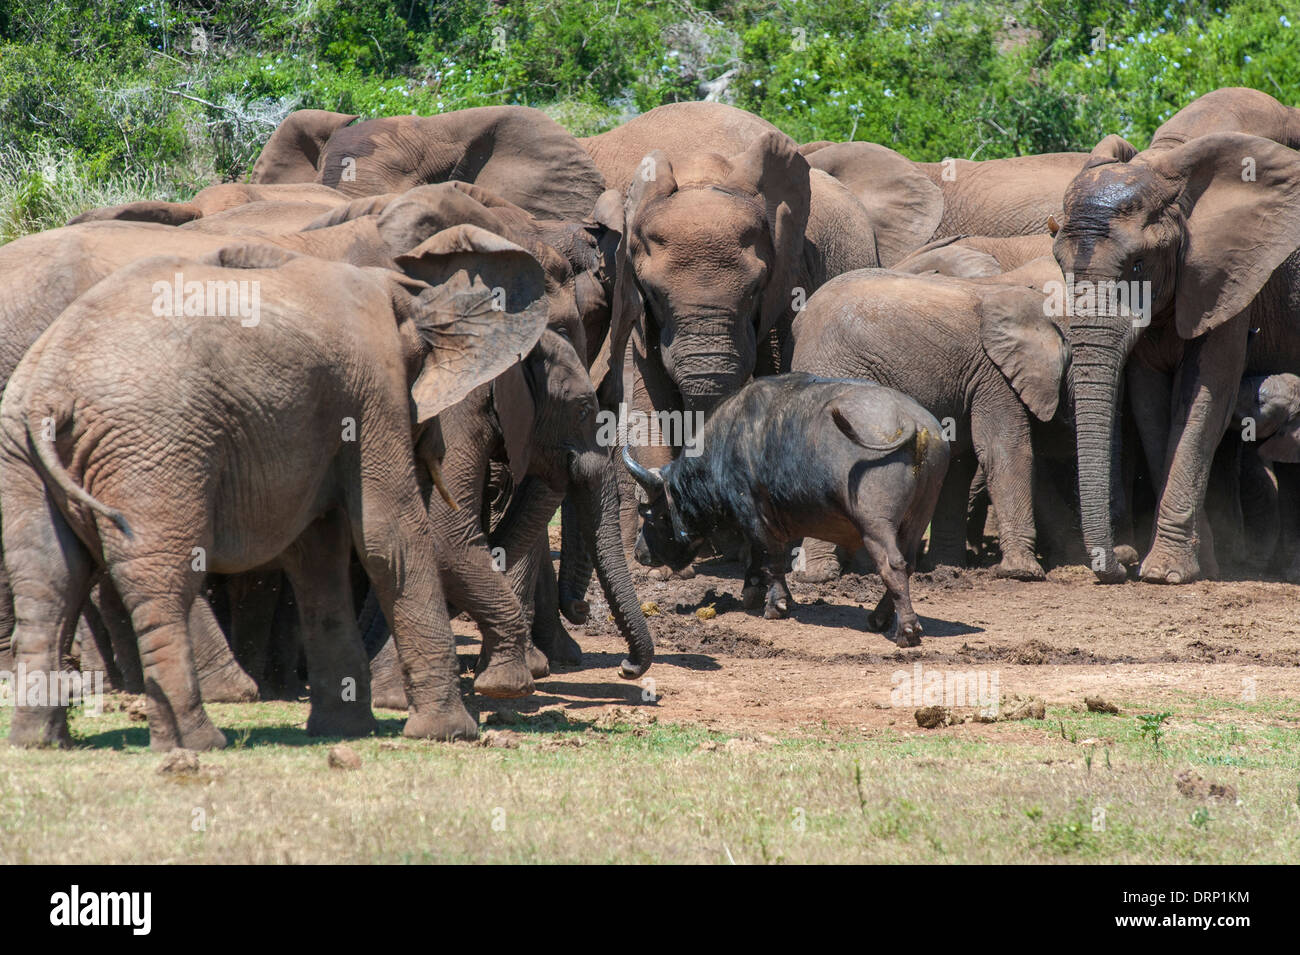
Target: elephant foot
347, 719
1165, 567
200, 736
561, 648
1127, 555
667, 573
1019, 567
448, 723
229, 684
40, 727
819, 571
386, 688
504, 680
909, 633
537, 663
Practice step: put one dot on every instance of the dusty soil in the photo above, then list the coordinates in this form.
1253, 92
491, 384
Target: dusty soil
821, 669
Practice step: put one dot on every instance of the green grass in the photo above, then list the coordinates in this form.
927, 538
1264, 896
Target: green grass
628, 790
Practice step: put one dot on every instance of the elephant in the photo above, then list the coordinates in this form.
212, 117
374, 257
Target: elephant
518, 153
541, 417
210, 202
351, 364
1253, 492
292, 153
715, 255
1233, 109
74, 258
976, 256
1206, 235
578, 259
982, 357
914, 203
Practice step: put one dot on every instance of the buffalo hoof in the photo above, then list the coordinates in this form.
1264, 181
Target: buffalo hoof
751, 598
348, 720
538, 665
909, 633
1019, 568
452, 722
778, 608
40, 727
507, 680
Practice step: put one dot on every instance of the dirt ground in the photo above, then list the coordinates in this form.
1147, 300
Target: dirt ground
820, 669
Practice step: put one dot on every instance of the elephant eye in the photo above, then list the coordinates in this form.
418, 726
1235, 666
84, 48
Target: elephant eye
1137, 267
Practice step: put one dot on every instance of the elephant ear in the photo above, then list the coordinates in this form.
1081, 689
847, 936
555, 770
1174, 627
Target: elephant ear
1026, 346
903, 202
163, 213
250, 255
356, 209
773, 169
653, 180
483, 310
945, 257
516, 411
1240, 199
294, 149
1114, 148
1284, 445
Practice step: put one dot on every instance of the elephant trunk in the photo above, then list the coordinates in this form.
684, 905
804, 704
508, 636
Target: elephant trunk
1099, 350
575, 566
708, 366
595, 498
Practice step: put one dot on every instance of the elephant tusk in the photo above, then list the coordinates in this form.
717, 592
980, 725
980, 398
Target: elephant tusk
436, 473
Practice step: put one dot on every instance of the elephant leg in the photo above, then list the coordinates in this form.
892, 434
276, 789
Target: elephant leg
386, 689
285, 672
1205, 390
253, 598
337, 669
51, 573
96, 646
394, 539
221, 678
1288, 549
107, 604
819, 560
1056, 516
1005, 450
1223, 500
948, 525
6, 621
549, 633
1260, 508
159, 592
977, 512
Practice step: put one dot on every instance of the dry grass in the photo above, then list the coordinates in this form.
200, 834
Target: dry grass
629, 790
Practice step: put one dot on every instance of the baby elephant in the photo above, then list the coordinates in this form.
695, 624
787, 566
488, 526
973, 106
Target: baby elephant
844, 460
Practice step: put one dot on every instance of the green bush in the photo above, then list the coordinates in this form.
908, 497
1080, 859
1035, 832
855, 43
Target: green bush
178, 93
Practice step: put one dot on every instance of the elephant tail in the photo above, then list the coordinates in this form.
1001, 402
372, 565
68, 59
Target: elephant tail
59, 475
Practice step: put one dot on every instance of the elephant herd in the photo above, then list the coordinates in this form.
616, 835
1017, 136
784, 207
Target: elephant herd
269, 440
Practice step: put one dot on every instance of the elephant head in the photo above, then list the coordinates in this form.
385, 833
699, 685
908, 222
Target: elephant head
1200, 228
1272, 404
710, 253
293, 152
548, 414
